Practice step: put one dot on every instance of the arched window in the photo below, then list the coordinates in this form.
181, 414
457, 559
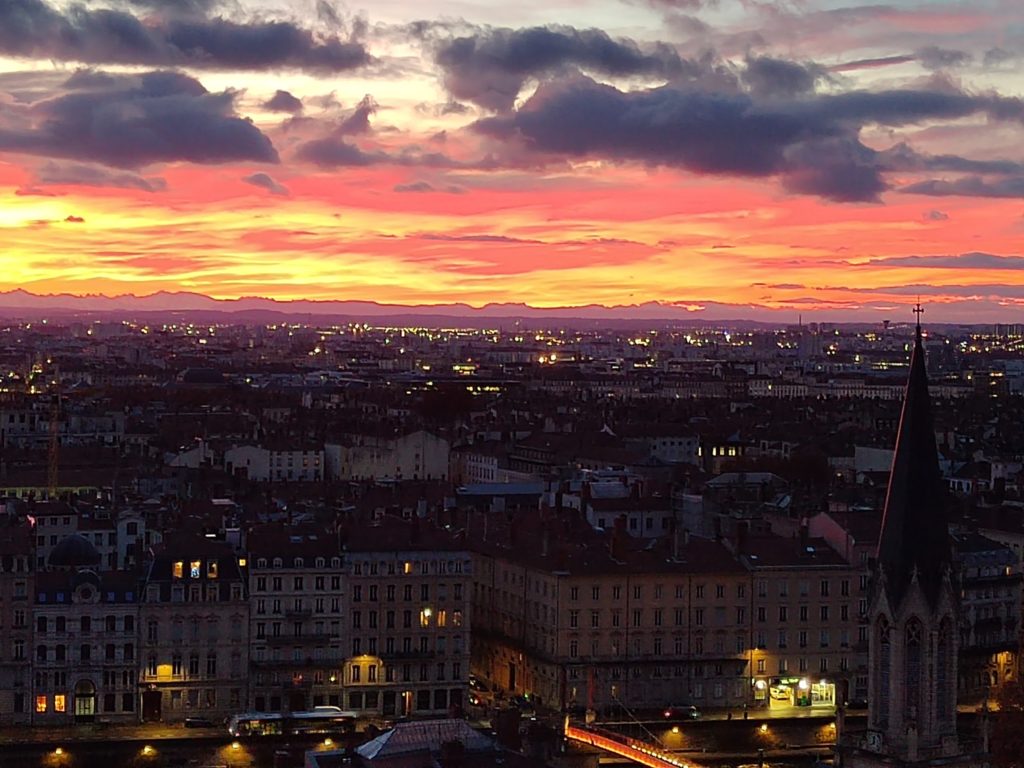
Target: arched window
883, 636
914, 669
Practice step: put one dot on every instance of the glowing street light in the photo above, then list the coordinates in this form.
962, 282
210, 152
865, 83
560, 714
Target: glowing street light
764, 727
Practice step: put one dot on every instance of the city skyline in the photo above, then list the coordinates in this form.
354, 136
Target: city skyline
721, 160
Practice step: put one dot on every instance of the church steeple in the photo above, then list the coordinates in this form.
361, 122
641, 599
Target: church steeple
915, 537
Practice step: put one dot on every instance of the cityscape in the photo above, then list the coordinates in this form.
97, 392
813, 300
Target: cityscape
211, 532
462, 384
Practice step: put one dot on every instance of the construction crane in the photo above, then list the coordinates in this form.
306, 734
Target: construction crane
53, 465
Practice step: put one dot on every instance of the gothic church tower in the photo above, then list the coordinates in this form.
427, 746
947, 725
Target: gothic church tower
913, 609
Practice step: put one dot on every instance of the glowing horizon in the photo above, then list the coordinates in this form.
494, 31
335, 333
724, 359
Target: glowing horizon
837, 160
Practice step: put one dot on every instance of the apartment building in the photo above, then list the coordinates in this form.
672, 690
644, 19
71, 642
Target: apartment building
85, 659
808, 634
296, 618
193, 632
417, 455
17, 583
407, 602
577, 617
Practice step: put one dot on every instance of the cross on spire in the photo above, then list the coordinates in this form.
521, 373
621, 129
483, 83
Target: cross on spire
918, 310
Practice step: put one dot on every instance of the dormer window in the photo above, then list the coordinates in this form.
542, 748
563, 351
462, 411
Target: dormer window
178, 570
320, 562
195, 569
261, 563
299, 563
211, 569
278, 562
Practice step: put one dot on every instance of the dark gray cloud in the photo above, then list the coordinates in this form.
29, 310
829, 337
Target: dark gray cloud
872, 63
768, 76
489, 67
935, 215
358, 122
130, 121
902, 157
32, 28
995, 57
969, 186
267, 182
335, 152
809, 141
80, 174
282, 101
973, 260
934, 57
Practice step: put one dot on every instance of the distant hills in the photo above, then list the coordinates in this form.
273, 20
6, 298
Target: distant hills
22, 304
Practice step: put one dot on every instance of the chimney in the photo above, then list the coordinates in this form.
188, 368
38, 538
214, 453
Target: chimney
804, 535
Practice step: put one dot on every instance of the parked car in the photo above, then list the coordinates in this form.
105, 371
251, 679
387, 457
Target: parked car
199, 722
477, 684
681, 712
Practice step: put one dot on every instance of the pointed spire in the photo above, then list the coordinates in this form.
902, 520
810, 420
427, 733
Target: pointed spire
915, 538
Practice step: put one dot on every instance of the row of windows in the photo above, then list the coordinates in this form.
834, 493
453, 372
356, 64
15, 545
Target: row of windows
368, 673
298, 606
58, 703
59, 624
700, 590
699, 614
298, 583
60, 653
108, 597
178, 666
298, 562
718, 643
391, 645
427, 618
177, 626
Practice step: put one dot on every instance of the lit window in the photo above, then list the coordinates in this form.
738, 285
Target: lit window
40, 703
442, 618
211, 569
242, 562
425, 615
408, 568
59, 703
179, 570
195, 569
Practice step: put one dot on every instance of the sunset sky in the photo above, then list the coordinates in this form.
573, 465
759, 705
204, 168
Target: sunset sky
826, 157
